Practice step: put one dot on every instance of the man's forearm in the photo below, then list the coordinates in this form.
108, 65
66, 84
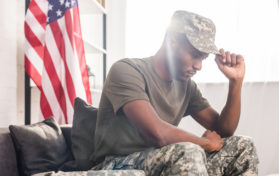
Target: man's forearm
229, 116
172, 134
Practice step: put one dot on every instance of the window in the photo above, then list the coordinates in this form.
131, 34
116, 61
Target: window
248, 27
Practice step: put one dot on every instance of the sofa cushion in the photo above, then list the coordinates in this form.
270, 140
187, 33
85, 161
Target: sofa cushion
83, 132
40, 147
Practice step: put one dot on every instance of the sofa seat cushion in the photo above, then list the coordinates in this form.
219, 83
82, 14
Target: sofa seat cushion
40, 147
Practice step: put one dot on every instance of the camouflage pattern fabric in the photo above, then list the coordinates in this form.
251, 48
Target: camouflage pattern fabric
199, 30
95, 173
237, 157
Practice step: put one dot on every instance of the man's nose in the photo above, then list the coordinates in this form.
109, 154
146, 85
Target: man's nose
198, 65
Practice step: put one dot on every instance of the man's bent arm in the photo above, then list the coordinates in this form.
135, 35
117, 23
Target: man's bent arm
225, 124
160, 133
230, 115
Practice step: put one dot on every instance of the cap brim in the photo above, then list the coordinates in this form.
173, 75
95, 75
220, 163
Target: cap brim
205, 47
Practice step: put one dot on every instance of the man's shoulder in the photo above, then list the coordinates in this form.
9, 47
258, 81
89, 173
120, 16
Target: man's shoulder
134, 62
130, 65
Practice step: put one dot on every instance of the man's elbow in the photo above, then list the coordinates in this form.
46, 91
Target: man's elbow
226, 133
159, 139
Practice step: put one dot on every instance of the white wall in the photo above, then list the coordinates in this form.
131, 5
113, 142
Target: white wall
259, 118
11, 66
116, 33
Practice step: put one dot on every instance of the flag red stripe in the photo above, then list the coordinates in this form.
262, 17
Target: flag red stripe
56, 84
32, 72
80, 53
45, 108
38, 13
69, 27
33, 40
58, 36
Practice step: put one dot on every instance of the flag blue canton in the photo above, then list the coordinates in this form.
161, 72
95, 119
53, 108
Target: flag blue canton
57, 8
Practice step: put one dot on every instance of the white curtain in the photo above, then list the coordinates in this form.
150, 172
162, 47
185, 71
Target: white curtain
248, 27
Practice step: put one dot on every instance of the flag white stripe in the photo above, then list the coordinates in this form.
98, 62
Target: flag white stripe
43, 5
51, 97
72, 62
35, 26
59, 67
54, 54
33, 57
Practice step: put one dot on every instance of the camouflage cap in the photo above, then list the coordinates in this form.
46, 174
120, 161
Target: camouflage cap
200, 31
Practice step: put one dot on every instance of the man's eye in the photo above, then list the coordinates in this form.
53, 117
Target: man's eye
196, 55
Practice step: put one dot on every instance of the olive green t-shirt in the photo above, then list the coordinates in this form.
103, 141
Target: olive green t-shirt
136, 79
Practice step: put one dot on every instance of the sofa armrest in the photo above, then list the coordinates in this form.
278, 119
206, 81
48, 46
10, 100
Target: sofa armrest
8, 160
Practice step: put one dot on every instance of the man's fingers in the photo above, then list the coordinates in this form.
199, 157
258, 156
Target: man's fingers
239, 59
233, 58
222, 51
228, 58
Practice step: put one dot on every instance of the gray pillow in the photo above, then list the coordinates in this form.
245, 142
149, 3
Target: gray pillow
40, 147
83, 132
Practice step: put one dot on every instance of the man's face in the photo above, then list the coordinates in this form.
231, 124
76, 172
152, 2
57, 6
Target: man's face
185, 61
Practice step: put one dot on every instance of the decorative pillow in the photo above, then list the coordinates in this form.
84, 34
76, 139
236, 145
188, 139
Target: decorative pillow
40, 147
83, 132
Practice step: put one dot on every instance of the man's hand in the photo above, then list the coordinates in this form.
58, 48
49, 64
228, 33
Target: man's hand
214, 141
231, 65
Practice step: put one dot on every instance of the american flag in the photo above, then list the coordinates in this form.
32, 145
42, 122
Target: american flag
54, 56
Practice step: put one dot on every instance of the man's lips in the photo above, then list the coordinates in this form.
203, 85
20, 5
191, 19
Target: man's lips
189, 74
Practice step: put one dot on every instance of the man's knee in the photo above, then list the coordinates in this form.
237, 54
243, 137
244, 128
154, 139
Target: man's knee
243, 142
245, 146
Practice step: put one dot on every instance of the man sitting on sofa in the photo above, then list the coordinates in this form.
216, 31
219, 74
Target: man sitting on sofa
143, 101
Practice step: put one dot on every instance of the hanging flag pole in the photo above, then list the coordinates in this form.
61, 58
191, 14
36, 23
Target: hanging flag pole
27, 89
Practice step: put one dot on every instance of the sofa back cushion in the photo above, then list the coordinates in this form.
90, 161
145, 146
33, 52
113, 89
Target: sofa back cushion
8, 162
40, 147
83, 132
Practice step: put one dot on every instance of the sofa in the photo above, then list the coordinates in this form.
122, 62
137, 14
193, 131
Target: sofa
48, 149
9, 159
8, 156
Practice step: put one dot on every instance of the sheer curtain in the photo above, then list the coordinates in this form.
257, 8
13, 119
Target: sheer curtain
248, 27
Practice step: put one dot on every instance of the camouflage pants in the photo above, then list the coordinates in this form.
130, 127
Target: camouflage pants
237, 157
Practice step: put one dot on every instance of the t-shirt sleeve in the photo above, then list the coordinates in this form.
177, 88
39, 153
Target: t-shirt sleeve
197, 102
124, 84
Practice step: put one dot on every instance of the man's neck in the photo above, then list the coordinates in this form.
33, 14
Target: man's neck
159, 62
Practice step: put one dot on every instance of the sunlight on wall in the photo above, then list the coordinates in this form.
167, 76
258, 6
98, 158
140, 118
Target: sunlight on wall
248, 27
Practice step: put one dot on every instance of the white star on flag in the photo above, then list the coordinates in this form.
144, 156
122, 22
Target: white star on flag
50, 7
58, 12
61, 2
67, 4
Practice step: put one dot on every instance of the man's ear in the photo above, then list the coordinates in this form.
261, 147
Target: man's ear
173, 43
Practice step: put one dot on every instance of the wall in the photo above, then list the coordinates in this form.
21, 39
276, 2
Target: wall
259, 118
11, 47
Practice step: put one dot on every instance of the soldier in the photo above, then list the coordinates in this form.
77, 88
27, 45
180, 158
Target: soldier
143, 101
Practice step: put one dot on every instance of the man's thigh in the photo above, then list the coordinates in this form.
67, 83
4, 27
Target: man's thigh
173, 159
237, 157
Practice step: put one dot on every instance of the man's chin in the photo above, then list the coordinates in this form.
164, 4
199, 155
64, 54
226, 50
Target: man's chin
182, 78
